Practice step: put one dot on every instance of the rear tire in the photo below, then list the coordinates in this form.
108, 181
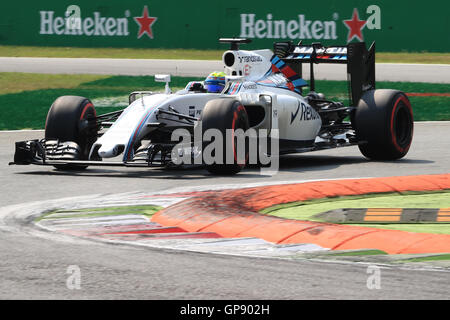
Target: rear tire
72, 118
384, 120
223, 114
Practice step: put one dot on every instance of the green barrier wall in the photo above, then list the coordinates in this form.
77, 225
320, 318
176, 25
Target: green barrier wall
395, 25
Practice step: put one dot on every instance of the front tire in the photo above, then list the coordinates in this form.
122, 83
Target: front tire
72, 118
384, 122
223, 115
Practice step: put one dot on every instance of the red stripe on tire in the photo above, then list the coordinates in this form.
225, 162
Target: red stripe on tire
87, 106
394, 138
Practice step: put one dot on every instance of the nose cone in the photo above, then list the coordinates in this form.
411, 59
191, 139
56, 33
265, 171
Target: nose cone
110, 151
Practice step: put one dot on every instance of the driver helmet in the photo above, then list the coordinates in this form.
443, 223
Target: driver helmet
215, 82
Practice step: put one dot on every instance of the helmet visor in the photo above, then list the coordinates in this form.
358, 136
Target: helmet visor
214, 87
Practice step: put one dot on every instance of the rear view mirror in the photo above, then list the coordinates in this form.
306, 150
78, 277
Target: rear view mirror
164, 78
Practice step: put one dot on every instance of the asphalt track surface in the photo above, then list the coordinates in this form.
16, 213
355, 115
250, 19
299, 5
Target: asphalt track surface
435, 73
33, 267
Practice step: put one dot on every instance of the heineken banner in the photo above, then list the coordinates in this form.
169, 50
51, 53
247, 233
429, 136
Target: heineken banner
395, 25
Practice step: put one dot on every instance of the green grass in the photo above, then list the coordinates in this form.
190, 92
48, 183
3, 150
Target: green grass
440, 257
26, 97
412, 57
118, 53
424, 108
369, 252
17, 82
27, 106
409, 227
408, 199
306, 210
130, 53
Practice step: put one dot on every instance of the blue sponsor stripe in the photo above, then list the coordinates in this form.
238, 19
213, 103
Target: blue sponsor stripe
136, 134
279, 64
299, 82
294, 78
275, 59
234, 88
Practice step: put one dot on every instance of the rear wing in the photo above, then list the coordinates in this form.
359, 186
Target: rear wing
360, 62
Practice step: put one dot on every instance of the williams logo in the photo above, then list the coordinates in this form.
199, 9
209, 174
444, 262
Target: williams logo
74, 24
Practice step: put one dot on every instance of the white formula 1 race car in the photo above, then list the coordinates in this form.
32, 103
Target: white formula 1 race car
263, 92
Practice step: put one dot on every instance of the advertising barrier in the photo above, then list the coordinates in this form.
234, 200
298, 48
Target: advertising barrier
395, 25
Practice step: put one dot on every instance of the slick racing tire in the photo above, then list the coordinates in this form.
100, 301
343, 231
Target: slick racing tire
222, 115
384, 124
72, 118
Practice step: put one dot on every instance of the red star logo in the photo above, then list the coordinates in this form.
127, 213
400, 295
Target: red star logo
145, 23
355, 26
